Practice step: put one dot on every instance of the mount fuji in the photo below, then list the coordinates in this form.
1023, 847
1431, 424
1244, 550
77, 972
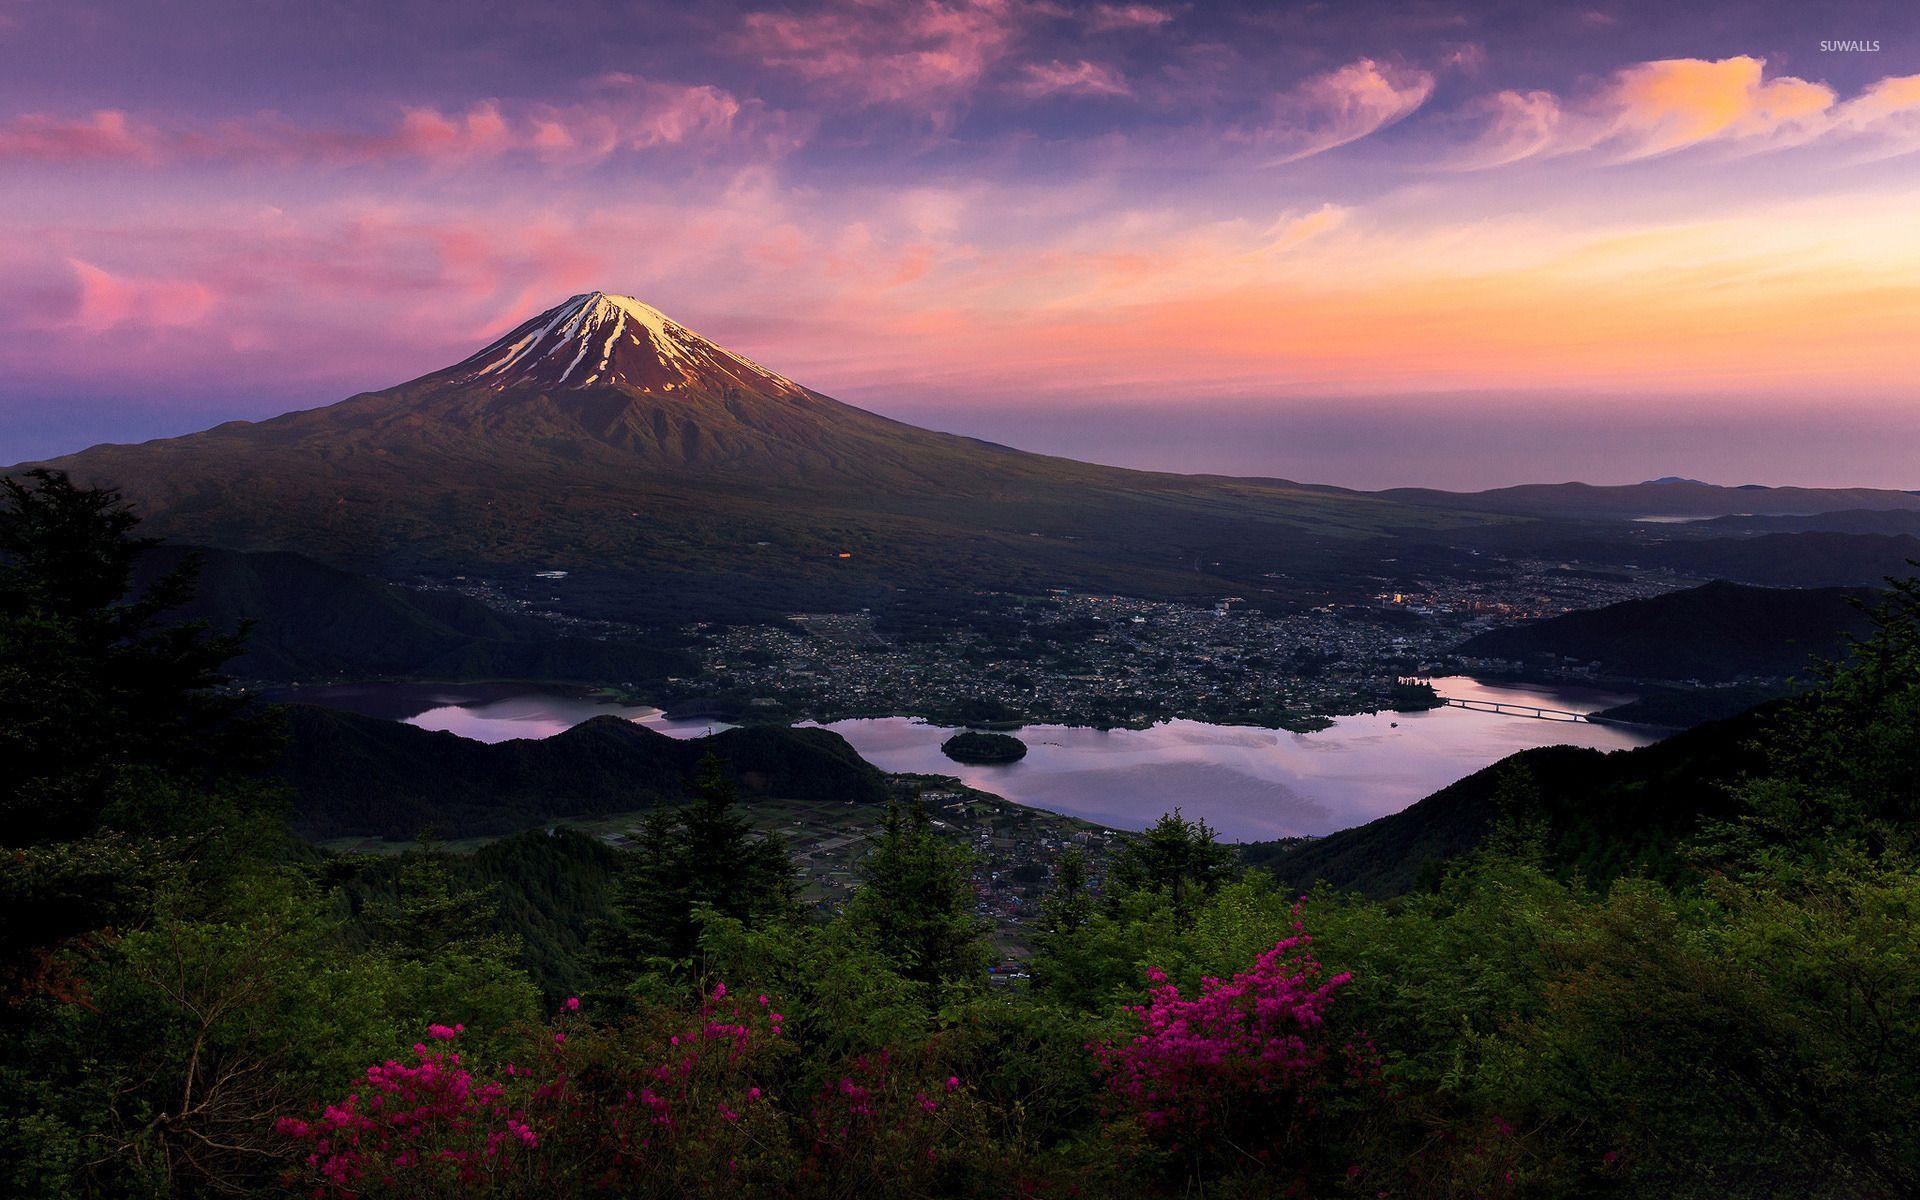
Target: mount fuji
666, 473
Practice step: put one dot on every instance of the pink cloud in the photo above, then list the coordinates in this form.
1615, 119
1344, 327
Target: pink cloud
1081, 78
629, 115
919, 52
1104, 17
1344, 106
1514, 126
108, 301
107, 135
1888, 112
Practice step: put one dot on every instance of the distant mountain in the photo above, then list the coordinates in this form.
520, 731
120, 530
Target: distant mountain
311, 622
1668, 497
365, 776
1596, 815
1718, 632
671, 477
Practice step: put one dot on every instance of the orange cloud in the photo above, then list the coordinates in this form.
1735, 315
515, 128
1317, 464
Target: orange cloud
1658, 107
1655, 108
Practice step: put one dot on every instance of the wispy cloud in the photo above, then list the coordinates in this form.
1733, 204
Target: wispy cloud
918, 53
628, 115
1107, 17
1343, 106
1080, 78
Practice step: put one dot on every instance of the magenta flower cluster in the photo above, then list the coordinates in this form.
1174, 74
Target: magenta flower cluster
690, 1095
1250, 1050
431, 1117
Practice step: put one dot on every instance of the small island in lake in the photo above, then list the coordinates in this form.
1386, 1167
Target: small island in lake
983, 749
1414, 695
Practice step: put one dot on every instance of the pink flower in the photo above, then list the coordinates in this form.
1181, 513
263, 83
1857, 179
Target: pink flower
445, 1033
1260, 1034
572, 1004
953, 1081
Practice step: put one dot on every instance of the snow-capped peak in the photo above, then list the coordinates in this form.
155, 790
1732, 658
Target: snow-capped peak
607, 341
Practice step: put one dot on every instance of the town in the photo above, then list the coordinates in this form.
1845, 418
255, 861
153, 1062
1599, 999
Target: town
1113, 661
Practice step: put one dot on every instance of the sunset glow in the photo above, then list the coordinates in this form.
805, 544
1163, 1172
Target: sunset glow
976, 209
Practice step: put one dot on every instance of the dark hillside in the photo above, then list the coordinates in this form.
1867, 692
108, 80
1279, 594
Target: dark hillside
363, 776
1718, 632
1597, 815
312, 621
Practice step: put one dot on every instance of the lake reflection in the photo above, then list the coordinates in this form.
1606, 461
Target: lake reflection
490, 712
1247, 783
1252, 784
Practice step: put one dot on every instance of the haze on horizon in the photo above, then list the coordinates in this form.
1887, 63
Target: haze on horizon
1462, 245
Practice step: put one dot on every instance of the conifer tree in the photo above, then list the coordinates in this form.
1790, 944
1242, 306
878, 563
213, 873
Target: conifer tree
703, 856
1174, 856
916, 901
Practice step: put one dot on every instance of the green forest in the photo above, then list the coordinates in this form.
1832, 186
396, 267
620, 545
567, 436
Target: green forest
197, 1002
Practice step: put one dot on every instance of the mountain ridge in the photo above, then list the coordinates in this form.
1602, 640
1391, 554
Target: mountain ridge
735, 491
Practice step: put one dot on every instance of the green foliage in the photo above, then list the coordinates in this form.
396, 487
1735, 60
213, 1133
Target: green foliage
1846, 763
704, 859
1176, 857
915, 903
1692, 971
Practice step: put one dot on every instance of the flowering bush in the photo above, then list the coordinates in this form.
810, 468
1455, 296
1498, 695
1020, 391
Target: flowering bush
675, 1104
884, 1125
431, 1121
1242, 1064
682, 1104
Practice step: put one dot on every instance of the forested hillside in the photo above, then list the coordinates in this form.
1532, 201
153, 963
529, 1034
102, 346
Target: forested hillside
307, 621
1719, 632
1693, 973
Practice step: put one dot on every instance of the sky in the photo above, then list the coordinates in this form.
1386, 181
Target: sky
1452, 244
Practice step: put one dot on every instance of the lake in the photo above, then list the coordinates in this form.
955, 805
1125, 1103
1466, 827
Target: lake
1247, 783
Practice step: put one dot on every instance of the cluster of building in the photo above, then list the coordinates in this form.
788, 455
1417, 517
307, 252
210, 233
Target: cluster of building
1102, 660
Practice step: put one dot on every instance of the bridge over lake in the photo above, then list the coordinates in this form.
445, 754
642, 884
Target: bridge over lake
1508, 708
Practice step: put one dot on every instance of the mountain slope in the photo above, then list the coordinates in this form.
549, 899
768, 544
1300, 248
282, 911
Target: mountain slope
1716, 632
1595, 814
672, 477
308, 621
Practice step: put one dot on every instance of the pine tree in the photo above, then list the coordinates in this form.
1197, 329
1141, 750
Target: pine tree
916, 902
701, 857
429, 911
120, 756
1058, 966
1174, 856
